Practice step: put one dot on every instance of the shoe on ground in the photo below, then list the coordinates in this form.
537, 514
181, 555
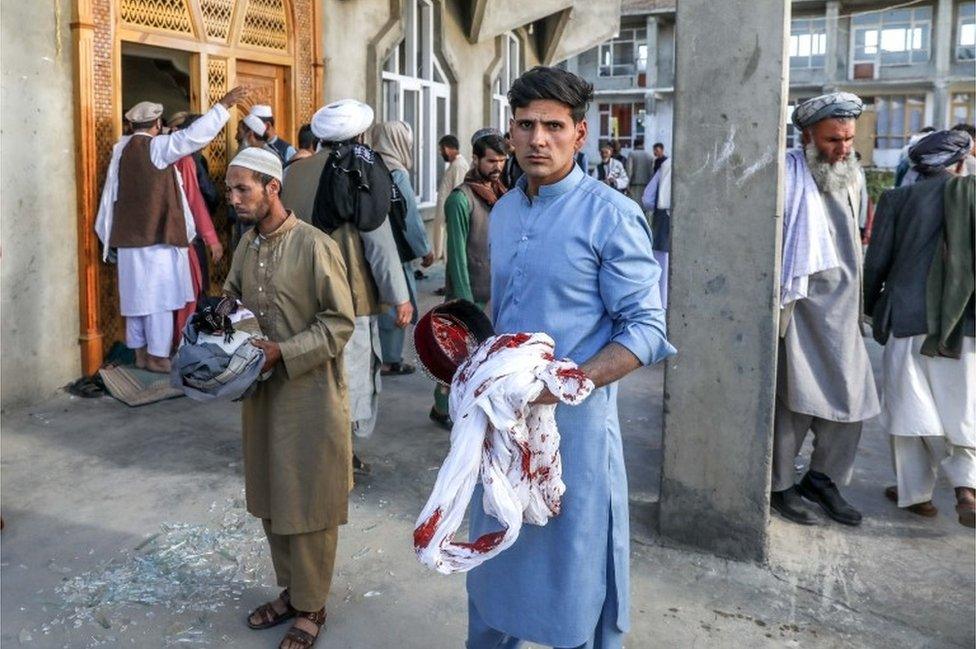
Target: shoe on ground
419, 274
441, 419
966, 506
820, 489
790, 505
441, 291
926, 509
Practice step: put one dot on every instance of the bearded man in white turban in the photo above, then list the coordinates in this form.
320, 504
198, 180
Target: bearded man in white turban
373, 266
824, 381
297, 447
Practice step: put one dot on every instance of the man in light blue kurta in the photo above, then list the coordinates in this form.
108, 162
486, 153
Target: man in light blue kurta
572, 258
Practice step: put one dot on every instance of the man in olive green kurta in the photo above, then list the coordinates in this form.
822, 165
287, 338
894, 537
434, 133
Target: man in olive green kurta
467, 209
297, 444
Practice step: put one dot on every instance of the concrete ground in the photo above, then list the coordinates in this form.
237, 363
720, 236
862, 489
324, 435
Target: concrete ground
124, 527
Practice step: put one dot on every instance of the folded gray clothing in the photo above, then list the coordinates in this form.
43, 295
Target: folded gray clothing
208, 367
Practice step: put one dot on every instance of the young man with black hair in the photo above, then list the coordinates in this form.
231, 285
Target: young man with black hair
467, 210
659, 157
570, 257
457, 166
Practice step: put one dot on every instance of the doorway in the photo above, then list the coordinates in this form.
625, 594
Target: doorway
157, 74
269, 84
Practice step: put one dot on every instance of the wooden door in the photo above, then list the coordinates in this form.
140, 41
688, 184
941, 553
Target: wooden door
269, 85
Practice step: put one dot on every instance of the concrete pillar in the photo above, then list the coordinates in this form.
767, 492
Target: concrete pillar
942, 45
729, 129
650, 80
833, 42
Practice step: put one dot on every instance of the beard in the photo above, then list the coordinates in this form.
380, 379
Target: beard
830, 177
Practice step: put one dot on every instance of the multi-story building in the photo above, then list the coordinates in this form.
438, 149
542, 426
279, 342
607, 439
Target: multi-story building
913, 63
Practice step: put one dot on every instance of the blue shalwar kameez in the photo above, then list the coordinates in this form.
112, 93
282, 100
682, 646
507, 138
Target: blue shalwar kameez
574, 262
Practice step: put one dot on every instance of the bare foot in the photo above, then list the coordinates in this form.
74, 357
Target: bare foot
141, 358
158, 364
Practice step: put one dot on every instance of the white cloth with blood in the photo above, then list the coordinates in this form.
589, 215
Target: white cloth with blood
512, 447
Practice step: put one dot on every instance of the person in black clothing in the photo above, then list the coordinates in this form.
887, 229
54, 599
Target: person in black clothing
659, 156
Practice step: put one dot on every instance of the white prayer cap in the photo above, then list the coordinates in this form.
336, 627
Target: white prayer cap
341, 120
144, 111
261, 110
260, 160
254, 123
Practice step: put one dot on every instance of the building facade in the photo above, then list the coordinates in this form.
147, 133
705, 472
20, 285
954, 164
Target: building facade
72, 67
913, 63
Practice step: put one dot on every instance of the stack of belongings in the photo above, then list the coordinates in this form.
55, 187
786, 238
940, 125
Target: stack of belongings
499, 438
216, 359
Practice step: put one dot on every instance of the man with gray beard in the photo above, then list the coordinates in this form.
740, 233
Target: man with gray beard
824, 381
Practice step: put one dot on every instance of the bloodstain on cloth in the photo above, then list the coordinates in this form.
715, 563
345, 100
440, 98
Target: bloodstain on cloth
501, 440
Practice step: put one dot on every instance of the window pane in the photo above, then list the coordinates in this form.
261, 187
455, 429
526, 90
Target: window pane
411, 115
967, 34
897, 129
623, 53
423, 147
391, 107
803, 45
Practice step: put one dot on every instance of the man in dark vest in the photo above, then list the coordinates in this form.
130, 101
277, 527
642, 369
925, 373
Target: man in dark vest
466, 211
144, 220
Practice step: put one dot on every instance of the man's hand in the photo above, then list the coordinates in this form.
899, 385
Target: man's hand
216, 251
404, 313
547, 398
234, 96
428, 260
272, 353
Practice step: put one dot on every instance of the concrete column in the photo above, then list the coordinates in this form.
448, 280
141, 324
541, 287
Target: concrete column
650, 80
833, 42
942, 45
729, 128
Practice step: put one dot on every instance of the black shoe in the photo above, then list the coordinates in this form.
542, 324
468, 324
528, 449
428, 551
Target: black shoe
419, 274
360, 467
818, 488
791, 507
442, 420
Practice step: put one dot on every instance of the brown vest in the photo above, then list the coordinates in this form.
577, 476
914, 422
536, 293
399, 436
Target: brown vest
479, 263
148, 207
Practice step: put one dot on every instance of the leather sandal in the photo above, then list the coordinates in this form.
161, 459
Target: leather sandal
269, 616
301, 639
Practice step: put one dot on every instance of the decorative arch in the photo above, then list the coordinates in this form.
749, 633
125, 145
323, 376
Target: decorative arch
217, 34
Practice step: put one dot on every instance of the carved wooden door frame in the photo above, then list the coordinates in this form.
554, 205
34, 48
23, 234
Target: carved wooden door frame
216, 33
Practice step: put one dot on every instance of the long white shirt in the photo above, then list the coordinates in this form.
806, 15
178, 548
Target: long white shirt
153, 279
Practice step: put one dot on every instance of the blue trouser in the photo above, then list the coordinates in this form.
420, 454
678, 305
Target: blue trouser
391, 336
606, 635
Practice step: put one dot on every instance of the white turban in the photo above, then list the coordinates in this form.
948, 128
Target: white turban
144, 111
260, 160
254, 123
261, 110
342, 120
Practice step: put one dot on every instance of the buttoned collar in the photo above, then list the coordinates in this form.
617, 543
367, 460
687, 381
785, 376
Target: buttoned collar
286, 226
558, 188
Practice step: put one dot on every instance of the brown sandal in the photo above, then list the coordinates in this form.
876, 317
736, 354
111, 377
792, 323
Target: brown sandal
269, 616
303, 639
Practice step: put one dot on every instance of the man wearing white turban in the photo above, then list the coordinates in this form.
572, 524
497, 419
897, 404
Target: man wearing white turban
824, 381
370, 253
145, 220
283, 148
297, 446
